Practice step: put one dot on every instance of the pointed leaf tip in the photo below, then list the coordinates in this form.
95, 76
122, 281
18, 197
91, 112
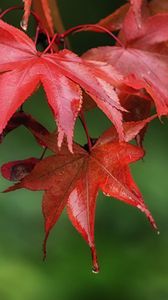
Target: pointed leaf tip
149, 216
95, 264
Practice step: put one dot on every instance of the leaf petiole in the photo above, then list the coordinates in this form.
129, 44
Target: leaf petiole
82, 119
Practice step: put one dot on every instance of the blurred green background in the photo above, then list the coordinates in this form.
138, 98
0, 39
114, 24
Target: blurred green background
133, 258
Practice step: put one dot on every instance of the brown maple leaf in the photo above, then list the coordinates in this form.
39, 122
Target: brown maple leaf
73, 180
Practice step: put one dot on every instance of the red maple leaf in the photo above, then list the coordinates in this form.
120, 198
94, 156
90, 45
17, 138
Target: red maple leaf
62, 74
73, 180
140, 58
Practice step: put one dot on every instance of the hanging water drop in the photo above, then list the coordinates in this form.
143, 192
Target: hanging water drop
95, 271
23, 25
95, 264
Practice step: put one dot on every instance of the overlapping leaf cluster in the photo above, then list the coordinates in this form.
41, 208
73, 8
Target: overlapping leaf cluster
125, 81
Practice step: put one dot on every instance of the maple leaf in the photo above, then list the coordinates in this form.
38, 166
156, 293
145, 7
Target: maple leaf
137, 58
61, 74
73, 180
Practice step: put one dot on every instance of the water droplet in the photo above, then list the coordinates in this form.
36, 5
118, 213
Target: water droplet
95, 271
23, 25
95, 265
106, 194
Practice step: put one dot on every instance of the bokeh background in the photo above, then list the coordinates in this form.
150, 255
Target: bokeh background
133, 258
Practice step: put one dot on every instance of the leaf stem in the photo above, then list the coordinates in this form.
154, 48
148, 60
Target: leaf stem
90, 27
37, 34
51, 43
43, 153
3, 13
82, 119
61, 36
